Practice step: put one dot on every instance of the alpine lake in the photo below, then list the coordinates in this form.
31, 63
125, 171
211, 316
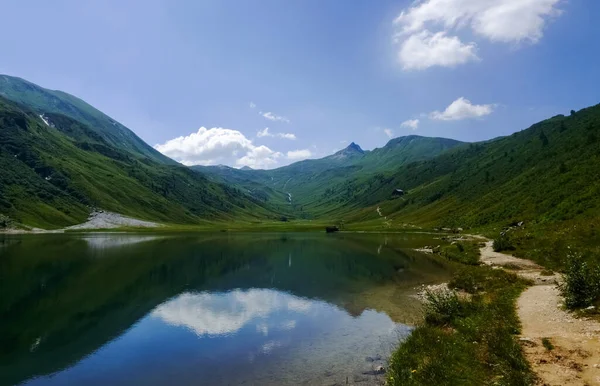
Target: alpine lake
208, 308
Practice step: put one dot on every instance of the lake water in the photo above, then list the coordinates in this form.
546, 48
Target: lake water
210, 309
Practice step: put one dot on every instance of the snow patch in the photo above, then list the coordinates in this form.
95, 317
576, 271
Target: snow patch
45, 120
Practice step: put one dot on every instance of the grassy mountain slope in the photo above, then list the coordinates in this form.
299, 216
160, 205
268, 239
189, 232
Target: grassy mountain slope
55, 172
310, 182
44, 101
547, 173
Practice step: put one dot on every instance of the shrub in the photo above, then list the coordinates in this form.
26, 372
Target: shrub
5, 221
547, 344
442, 306
466, 280
503, 243
581, 287
464, 253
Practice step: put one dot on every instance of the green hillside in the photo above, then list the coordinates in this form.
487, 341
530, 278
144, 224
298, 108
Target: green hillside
547, 173
310, 182
54, 172
44, 101
61, 158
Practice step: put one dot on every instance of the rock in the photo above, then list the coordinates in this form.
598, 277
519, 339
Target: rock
380, 370
527, 341
369, 359
590, 308
459, 229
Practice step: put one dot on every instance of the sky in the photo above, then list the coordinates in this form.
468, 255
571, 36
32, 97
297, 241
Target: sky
268, 82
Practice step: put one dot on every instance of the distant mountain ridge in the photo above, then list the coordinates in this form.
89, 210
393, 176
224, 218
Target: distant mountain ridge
311, 181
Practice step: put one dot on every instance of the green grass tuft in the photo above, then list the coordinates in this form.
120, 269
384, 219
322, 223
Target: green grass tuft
547, 344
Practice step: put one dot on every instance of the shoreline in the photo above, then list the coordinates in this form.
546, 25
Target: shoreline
559, 347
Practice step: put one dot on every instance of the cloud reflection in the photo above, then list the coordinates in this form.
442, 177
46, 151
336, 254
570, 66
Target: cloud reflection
215, 314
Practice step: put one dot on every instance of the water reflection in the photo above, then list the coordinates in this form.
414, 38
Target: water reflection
102, 241
226, 313
174, 309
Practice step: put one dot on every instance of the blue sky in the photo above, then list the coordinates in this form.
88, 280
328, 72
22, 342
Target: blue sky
317, 73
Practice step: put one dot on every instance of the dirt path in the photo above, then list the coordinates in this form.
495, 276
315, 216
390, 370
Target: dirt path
575, 358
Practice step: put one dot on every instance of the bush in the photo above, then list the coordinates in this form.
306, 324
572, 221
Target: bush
581, 287
442, 306
5, 221
467, 253
503, 243
547, 344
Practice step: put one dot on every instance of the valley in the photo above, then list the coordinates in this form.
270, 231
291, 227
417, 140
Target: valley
68, 168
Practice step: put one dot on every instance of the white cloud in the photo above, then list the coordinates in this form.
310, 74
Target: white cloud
299, 154
286, 135
462, 109
495, 20
265, 133
252, 105
412, 124
218, 146
259, 157
272, 117
424, 50
388, 132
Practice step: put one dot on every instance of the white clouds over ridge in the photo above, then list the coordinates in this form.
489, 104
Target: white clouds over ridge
412, 124
296, 155
462, 109
495, 20
229, 147
218, 146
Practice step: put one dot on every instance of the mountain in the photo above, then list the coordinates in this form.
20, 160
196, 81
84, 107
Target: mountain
56, 169
403, 150
548, 173
44, 101
61, 158
347, 155
304, 189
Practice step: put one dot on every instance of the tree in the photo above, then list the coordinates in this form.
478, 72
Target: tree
562, 168
563, 127
543, 138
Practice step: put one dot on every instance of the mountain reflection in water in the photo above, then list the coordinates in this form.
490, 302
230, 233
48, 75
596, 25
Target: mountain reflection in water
209, 309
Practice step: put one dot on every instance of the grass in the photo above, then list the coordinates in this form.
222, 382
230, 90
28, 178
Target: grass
467, 340
462, 252
547, 344
53, 176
